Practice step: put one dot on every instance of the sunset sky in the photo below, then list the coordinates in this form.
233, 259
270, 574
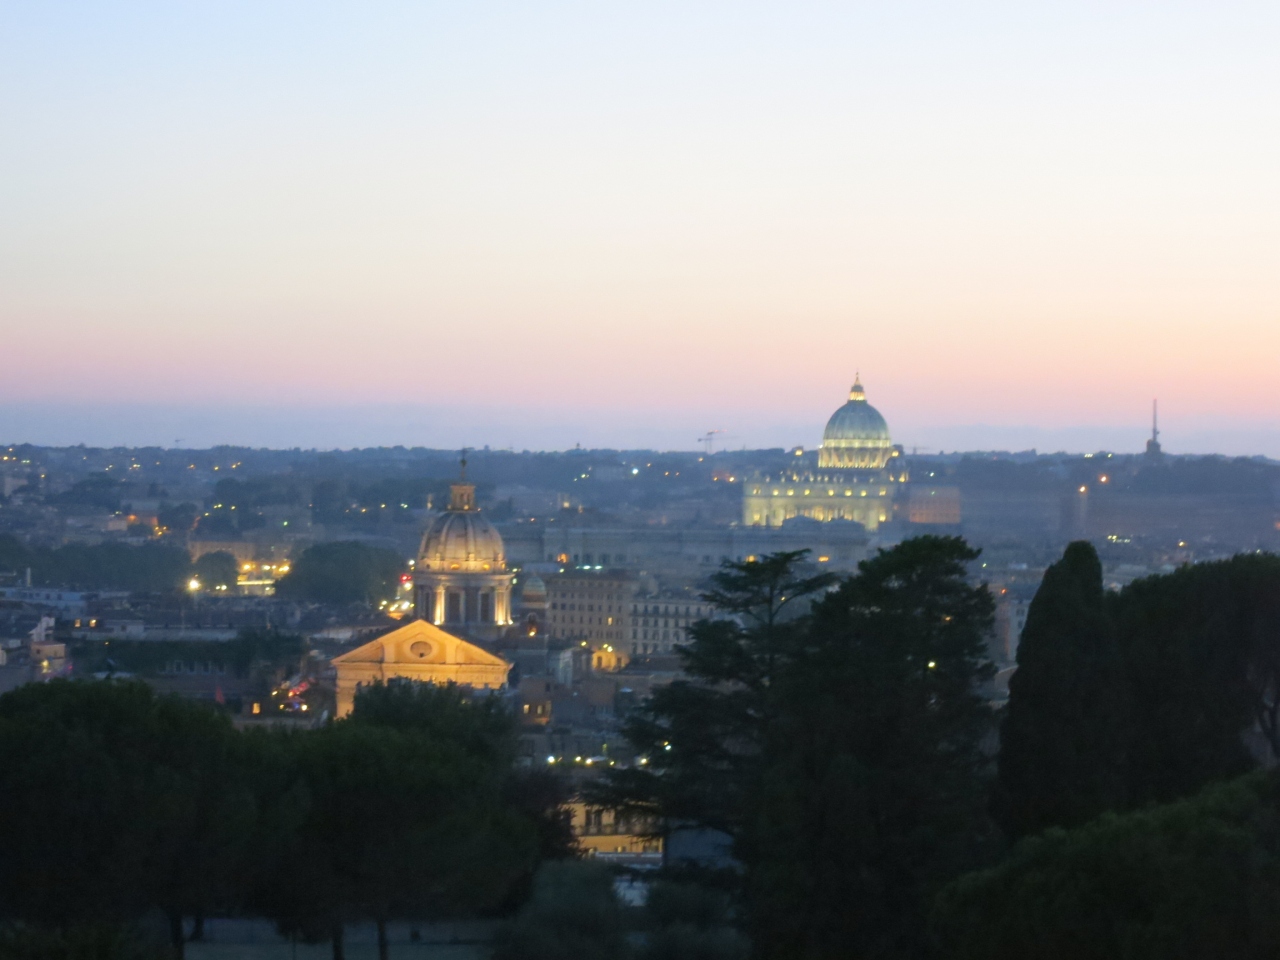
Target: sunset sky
623, 224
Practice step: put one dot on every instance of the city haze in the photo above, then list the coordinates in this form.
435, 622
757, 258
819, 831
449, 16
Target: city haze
448, 426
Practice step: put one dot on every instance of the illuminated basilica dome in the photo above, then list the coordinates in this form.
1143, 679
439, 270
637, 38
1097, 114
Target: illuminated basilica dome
859, 471
856, 436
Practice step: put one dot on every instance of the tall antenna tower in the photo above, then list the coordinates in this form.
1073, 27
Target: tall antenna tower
1153, 445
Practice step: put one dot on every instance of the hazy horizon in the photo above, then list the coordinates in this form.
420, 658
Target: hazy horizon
388, 425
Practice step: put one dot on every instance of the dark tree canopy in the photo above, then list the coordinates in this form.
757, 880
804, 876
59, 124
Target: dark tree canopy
13, 554
346, 571
262, 655
117, 801
482, 725
876, 785
572, 915
1197, 878
432, 766
1143, 696
703, 737
215, 570
98, 491
177, 519
1064, 740
1202, 647
837, 746
149, 568
392, 823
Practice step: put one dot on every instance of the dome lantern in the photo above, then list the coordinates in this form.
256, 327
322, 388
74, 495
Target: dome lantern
462, 495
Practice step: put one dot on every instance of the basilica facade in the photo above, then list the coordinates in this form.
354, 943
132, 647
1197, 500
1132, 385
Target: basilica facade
859, 472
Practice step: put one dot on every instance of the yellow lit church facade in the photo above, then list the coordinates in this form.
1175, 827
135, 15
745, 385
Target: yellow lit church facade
859, 472
417, 651
460, 582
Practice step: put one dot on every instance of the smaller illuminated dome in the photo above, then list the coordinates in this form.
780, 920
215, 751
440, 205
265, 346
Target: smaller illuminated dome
534, 590
856, 436
461, 539
461, 580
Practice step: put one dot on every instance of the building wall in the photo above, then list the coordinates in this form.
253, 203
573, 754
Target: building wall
1011, 618
1005, 513
657, 624
933, 505
593, 610
1220, 518
601, 831
684, 551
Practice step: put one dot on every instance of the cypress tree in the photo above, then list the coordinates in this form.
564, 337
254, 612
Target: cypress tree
1063, 739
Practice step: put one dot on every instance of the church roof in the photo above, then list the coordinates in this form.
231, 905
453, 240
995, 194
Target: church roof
462, 540
423, 644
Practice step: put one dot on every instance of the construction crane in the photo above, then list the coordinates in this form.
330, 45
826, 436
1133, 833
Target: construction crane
709, 439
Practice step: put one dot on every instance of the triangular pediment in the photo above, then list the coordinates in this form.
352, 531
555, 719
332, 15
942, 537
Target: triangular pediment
420, 643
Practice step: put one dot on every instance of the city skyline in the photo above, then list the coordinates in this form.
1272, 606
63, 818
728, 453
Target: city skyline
454, 428
299, 226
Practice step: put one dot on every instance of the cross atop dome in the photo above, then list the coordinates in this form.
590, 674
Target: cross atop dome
462, 495
856, 392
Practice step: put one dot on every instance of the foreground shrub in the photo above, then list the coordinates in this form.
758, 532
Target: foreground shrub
101, 942
686, 921
573, 914
1193, 879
